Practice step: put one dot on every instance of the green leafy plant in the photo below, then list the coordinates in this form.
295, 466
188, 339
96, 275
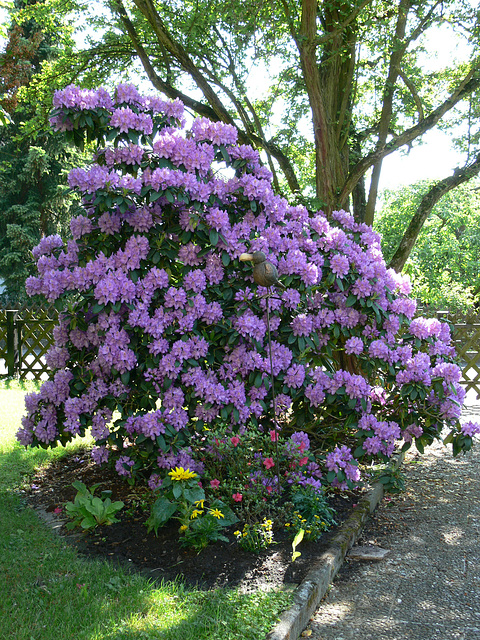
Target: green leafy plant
313, 515
88, 511
393, 480
183, 496
255, 537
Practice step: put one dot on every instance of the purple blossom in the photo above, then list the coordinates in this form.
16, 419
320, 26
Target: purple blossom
123, 466
109, 223
338, 458
115, 286
80, 226
302, 325
470, 429
217, 219
175, 298
354, 345
295, 376
216, 132
250, 326
339, 265
379, 349
301, 440
195, 281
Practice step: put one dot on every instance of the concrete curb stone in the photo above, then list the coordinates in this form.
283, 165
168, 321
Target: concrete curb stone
317, 581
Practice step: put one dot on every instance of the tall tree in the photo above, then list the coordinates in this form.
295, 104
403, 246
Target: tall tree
325, 89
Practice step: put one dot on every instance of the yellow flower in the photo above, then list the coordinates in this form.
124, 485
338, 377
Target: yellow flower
237, 533
216, 513
199, 503
179, 473
184, 527
195, 514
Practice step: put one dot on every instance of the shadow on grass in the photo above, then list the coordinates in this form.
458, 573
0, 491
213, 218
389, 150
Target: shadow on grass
53, 593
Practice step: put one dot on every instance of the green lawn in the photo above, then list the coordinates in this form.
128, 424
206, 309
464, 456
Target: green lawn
48, 592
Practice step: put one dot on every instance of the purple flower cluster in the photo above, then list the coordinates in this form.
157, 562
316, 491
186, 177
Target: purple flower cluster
170, 328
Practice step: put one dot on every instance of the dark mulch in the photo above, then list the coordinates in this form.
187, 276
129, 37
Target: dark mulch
162, 557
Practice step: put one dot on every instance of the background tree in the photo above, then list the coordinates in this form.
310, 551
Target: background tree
34, 197
444, 263
325, 89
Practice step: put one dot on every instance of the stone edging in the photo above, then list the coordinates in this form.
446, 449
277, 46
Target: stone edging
310, 592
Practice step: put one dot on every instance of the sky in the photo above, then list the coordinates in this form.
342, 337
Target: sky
435, 159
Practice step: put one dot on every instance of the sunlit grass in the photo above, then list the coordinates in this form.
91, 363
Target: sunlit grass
50, 593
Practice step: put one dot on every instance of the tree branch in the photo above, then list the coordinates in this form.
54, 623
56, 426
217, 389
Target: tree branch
164, 87
429, 200
198, 107
416, 98
147, 8
467, 86
341, 27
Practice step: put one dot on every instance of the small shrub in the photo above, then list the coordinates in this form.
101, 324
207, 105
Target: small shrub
182, 497
255, 537
88, 511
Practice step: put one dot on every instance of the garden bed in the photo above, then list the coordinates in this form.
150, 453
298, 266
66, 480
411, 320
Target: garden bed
162, 557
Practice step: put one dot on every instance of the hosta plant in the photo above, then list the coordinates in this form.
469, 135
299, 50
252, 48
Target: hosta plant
88, 511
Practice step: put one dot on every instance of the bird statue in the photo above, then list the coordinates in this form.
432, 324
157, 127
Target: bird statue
264, 273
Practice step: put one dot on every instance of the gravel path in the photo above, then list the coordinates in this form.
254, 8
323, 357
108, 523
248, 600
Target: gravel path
428, 586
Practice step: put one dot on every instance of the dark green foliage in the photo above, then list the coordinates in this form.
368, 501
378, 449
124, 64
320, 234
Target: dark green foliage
34, 197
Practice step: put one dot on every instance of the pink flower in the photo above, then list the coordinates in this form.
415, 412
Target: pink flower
303, 461
57, 510
269, 463
235, 441
238, 497
214, 484
273, 435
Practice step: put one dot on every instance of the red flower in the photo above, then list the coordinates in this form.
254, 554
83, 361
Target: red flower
237, 497
273, 435
214, 484
303, 461
235, 441
269, 463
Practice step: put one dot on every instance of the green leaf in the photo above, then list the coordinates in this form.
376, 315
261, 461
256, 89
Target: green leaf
162, 511
296, 541
194, 495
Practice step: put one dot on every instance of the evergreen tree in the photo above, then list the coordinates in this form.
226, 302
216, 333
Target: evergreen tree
34, 197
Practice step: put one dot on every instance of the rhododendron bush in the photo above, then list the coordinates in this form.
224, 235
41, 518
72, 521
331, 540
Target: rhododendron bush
163, 336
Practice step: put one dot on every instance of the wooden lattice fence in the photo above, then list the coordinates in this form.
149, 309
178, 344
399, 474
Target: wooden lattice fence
466, 338
25, 337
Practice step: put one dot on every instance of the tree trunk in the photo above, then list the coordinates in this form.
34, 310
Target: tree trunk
329, 87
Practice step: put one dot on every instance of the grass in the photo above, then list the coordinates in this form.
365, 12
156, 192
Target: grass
48, 592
